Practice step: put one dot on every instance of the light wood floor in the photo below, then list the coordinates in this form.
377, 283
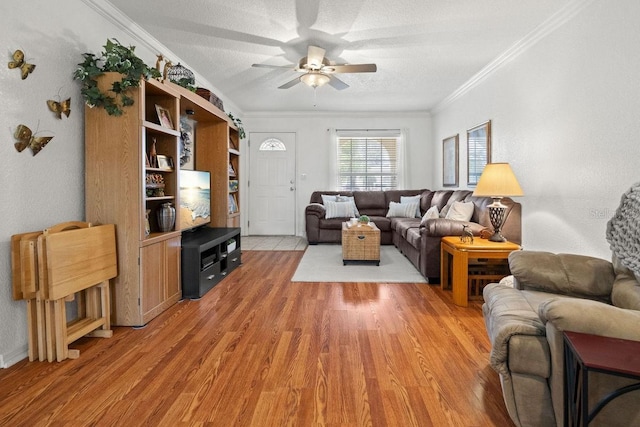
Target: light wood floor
258, 350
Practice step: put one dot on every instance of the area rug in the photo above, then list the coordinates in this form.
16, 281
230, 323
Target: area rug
323, 263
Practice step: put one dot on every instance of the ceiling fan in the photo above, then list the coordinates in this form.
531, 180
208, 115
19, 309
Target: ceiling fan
319, 71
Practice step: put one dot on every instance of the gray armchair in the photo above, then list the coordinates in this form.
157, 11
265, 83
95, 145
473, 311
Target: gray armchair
525, 316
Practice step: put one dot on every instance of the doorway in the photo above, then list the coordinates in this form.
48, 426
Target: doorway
272, 183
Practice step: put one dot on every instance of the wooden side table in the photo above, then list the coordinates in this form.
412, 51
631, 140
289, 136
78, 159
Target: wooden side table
461, 252
584, 353
360, 243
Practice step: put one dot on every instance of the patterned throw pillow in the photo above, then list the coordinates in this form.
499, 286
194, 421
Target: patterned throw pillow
402, 210
412, 199
339, 210
349, 199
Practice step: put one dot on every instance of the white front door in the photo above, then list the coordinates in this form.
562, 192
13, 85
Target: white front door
272, 183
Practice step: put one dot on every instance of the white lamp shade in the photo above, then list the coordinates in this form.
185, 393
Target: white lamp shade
498, 180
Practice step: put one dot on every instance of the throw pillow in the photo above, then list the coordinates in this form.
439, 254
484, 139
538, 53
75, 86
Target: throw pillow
401, 210
349, 199
431, 213
339, 210
329, 198
412, 199
461, 211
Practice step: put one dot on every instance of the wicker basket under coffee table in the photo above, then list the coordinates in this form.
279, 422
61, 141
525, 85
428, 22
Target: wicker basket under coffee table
360, 243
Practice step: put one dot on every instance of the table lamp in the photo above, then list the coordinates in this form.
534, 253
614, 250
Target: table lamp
497, 181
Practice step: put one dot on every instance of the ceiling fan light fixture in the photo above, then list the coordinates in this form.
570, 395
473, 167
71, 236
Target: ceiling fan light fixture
314, 79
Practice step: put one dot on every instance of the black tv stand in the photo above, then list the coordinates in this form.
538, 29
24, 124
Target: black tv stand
208, 255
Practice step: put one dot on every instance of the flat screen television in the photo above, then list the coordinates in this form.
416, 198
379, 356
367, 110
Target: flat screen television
195, 199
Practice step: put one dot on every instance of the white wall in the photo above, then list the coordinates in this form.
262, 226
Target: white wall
566, 114
43, 190
314, 156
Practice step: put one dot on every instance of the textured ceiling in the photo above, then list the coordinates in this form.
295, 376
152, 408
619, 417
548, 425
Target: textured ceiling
424, 49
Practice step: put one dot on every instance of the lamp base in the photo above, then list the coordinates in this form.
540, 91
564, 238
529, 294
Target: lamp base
497, 237
496, 216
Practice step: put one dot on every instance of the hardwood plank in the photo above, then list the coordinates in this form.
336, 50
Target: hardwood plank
260, 350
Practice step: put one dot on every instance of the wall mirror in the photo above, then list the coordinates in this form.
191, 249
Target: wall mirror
478, 151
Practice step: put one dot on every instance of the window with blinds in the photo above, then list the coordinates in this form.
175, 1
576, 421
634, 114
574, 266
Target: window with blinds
367, 163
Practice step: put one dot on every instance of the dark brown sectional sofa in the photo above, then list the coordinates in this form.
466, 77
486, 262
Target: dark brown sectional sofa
419, 242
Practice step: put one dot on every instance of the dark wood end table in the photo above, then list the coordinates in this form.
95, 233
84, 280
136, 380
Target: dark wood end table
584, 353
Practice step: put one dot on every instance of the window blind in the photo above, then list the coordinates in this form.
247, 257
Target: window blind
368, 162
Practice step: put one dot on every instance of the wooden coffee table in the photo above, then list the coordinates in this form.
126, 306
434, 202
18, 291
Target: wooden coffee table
453, 250
360, 243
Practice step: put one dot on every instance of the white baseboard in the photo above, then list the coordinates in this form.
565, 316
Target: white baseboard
9, 359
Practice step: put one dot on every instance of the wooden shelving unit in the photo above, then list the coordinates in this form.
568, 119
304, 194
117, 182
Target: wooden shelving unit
119, 161
116, 153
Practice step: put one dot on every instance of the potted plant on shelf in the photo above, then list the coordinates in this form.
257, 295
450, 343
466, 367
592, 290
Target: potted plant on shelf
115, 58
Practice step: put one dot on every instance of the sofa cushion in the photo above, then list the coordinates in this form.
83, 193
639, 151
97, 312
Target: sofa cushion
332, 224
372, 203
413, 237
383, 223
431, 213
401, 225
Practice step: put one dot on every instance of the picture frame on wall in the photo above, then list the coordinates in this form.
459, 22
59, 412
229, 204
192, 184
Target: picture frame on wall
478, 151
450, 161
187, 143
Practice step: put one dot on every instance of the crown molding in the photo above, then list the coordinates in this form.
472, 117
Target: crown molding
556, 20
337, 114
142, 37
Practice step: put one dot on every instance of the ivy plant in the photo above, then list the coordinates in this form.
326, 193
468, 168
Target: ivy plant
115, 57
236, 121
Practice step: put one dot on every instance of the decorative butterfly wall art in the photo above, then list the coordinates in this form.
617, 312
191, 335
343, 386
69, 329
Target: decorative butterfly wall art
25, 138
60, 108
19, 62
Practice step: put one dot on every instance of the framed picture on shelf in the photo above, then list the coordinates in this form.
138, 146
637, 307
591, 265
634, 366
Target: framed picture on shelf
232, 171
165, 162
450, 161
478, 151
233, 185
164, 117
233, 206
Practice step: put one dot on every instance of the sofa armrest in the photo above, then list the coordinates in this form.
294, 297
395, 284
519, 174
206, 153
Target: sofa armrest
566, 274
591, 317
315, 209
439, 227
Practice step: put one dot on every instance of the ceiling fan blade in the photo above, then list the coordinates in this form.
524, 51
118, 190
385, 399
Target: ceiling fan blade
289, 67
290, 83
315, 55
336, 83
351, 68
